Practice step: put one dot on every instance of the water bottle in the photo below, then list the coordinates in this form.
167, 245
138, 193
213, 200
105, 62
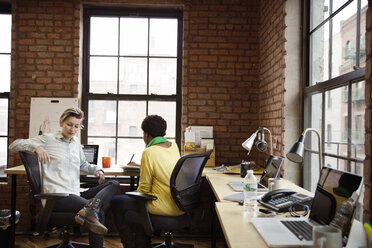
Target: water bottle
250, 192
344, 214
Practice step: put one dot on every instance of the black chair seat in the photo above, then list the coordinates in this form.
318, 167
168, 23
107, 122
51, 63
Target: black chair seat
170, 222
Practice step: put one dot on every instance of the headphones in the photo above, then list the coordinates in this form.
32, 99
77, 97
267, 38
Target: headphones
261, 144
298, 210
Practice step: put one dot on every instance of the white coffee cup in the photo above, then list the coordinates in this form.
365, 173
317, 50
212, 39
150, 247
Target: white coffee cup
326, 237
275, 183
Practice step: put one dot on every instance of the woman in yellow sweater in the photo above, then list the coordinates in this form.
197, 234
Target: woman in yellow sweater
157, 163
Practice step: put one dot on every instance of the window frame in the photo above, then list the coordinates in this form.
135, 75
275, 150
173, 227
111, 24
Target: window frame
347, 79
5, 8
153, 12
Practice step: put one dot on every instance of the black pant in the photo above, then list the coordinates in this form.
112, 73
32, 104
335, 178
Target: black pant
73, 203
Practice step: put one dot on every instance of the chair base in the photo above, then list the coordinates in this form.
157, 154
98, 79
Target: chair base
66, 243
172, 245
69, 245
169, 243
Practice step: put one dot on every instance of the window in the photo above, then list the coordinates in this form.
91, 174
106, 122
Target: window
132, 68
335, 66
5, 51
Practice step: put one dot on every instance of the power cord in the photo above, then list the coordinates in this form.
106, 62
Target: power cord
299, 210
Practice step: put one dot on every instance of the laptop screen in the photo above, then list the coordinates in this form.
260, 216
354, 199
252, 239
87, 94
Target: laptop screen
91, 153
272, 169
334, 187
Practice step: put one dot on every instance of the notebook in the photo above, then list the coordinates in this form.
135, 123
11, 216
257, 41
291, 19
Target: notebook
91, 153
272, 169
334, 187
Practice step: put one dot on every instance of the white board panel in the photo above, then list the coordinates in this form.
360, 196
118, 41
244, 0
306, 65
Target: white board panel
45, 113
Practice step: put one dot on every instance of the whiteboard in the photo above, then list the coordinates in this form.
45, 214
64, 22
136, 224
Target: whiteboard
45, 113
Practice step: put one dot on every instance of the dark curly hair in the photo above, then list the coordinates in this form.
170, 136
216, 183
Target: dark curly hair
154, 125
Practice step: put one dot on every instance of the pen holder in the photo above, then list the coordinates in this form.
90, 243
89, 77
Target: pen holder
244, 167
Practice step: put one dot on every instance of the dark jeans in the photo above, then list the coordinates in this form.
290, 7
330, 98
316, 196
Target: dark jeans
73, 203
131, 235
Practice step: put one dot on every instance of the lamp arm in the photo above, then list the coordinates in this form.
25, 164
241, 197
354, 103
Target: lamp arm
271, 140
319, 145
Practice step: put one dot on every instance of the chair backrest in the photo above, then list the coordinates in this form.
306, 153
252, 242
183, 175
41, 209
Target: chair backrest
31, 163
186, 178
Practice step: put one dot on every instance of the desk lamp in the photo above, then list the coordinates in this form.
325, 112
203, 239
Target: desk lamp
260, 143
296, 153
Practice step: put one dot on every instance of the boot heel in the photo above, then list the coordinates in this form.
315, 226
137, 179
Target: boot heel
80, 220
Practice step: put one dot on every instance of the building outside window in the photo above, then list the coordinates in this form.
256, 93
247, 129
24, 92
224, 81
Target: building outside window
5, 51
335, 63
132, 68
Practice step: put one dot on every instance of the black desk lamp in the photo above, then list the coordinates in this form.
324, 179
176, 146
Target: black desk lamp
296, 153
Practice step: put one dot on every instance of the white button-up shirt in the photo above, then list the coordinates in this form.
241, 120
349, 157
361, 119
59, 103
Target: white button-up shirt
62, 174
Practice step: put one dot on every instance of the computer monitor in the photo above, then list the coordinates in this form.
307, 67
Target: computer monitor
91, 153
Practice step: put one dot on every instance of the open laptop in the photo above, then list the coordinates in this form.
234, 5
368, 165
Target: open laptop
91, 153
334, 187
272, 169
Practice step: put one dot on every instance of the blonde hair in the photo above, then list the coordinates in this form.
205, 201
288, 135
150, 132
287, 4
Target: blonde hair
72, 112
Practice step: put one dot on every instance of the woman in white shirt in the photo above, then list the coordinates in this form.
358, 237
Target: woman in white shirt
62, 159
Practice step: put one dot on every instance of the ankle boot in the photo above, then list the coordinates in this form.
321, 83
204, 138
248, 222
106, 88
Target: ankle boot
88, 216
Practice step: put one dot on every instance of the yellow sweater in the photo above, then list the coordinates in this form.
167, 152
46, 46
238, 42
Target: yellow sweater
157, 165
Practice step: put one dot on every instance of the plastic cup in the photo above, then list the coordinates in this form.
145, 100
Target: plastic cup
106, 162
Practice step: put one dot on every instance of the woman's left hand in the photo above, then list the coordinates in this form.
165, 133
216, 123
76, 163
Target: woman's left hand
101, 176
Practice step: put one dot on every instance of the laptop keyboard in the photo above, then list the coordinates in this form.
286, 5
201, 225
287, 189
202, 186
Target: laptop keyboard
301, 229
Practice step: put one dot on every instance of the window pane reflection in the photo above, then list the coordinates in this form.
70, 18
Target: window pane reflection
163, 74
163, 37
4, 73
133, 76
319, 10
131, 115
103, 119
344, 40
336, 122
128, 147
358, 107
319, 47
4, 117
133, 36
5, 31
167, 110
103, 75
104, 36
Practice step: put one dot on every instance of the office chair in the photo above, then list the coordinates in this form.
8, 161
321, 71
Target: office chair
46, 219
185, 189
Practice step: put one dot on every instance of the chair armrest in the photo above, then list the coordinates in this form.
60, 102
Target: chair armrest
51, 196
141, 196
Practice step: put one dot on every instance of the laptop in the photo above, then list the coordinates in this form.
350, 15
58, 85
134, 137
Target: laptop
272, 169
334, 187
91, 153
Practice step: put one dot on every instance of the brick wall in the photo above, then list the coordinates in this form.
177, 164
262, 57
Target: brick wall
221, 69
272, 65
368, 118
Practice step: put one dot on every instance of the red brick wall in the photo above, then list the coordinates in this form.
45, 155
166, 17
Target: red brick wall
272, 65
368, 119
221, 69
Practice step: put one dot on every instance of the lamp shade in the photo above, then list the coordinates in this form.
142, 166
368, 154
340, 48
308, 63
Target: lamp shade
249, 142
296, 153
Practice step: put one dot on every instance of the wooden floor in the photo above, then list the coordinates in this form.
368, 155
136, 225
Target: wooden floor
29, 241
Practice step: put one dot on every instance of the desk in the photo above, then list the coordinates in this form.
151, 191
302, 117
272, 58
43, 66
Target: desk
235, 223
20, 170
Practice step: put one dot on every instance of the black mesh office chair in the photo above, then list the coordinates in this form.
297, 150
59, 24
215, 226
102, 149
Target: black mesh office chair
46, 219
185, 189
